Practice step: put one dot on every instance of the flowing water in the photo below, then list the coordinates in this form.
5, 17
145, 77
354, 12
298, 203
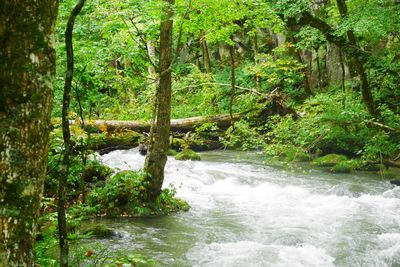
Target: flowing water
244, 213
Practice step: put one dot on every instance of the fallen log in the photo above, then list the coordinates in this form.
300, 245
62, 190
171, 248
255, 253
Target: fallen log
177, 125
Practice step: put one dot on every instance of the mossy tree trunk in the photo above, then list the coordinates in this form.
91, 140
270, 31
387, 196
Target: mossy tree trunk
62, 185
27, 72
157, 156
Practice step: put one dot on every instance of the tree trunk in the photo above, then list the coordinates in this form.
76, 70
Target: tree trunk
157, 156
62, 185
256, 60
343, 77
205, 52
223, 121
359, 66
297, 54
27, 73
233, 79
319, 69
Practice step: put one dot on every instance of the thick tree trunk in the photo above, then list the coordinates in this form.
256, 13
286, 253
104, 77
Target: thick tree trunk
27, 72
62, 185
157, 156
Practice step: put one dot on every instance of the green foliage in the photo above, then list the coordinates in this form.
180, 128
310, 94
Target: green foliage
242, 136
329, 160
342, 167
279, 71
187, 154
125, 193
325, 127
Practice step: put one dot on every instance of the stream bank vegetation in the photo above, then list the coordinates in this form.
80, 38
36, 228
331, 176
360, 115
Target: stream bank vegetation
302, 81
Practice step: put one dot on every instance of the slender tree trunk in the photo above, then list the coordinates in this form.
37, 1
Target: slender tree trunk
233, 79
151, 50
157, 156
296, 53
359, 66
341, 59
319, 69
256, 61
27, 72
62, 184
205, 52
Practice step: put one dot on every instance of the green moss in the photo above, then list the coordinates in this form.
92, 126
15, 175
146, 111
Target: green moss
295, 154
171, 152
187, 154
329, 160
116, 139
287, 153
342, 167
390, 174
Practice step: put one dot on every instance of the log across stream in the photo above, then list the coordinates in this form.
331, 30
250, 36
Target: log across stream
177, 125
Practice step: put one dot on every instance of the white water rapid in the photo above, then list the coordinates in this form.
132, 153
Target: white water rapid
244, 213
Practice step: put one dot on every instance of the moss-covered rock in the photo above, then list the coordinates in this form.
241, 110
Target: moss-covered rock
171, 152
187, 154
389, 174
295, 154
342, 167
287, 153
329, 160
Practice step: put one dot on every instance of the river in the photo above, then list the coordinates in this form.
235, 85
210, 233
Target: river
246, 213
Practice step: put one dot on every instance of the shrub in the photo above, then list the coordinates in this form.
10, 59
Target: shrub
125, 193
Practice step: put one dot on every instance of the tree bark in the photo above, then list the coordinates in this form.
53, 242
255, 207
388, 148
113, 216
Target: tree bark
233, 79
256, 60
178, 125
157, 156
27, 74
205, 52
62, 185
318, 68
297, 54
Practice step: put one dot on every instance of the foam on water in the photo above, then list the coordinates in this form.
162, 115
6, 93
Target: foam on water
246, 214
